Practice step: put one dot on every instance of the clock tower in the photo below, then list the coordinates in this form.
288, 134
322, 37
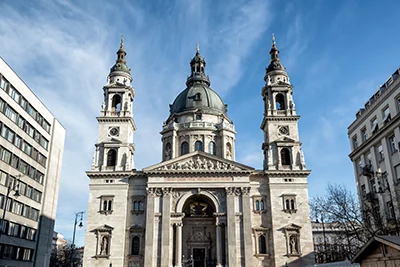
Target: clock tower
114, 148
282, 148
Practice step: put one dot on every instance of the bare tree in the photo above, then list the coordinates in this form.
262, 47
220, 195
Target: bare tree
356, 223
61, 256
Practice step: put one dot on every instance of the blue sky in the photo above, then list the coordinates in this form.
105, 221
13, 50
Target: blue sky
337, 53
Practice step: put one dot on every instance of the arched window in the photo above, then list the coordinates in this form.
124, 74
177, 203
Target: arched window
262, 245
285, 156
140, 205
280, 102
257, 205
112, 157
109, 207
211, 148
105, 205
135, 245
287, 204
262, 205
135, 205
198, 146
116, 103
292, 204
184, 148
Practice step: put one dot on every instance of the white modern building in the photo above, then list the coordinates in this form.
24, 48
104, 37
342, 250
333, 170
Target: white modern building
199, 206
31, 150
374, 139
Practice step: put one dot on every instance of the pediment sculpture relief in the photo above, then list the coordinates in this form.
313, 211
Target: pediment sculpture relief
197, 163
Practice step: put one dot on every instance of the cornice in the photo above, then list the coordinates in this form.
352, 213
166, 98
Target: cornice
105, 119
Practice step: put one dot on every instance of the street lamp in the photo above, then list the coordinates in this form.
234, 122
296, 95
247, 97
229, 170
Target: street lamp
78, 216
382, 188
12, 186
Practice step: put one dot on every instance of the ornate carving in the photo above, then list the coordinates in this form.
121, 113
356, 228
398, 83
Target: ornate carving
197, 163
233, 191
176, 195
154, 192
246, 191
167, 191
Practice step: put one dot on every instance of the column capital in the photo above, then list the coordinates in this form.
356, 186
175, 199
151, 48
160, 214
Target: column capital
230, 191
246, 190
154, 192
166, 191
178, 224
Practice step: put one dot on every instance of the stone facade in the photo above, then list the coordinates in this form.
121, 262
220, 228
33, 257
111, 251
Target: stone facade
199, 206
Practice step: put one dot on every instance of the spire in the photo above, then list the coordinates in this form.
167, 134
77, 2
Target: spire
274, 50
197, 65
120, 63
275, 63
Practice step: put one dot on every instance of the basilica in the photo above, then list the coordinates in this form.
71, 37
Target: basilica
198, 207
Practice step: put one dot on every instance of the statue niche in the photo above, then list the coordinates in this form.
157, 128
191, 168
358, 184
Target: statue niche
198, 207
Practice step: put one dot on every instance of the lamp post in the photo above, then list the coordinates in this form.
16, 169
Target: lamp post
12, 186
78, 216
382, 188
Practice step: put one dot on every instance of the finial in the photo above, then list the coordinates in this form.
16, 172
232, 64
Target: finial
122, 41
197, 47
273, 40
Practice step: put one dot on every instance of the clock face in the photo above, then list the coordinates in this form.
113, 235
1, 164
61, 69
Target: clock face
284, 130
114, 131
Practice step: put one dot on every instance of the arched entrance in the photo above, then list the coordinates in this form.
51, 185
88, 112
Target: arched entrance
198, 233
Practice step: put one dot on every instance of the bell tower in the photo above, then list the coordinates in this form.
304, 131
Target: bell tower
282, 148
115, 148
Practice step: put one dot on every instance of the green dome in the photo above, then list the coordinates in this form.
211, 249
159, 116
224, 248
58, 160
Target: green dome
120, 66
198, 96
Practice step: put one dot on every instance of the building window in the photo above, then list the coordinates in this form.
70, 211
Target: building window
364, 134
386, 115
106, 204
138, 204
390, 210
285, 156
280, 102
372, 184
369, 159
380, 153
112, 157
355, 142
360, 167
211, 148
259, 204
392, 144
289, 203
198, 116
363, 190
135, 245
198, 146
184, 148
374, 125
262, 244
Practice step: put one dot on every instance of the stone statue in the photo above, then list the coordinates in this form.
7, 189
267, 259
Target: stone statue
103, 246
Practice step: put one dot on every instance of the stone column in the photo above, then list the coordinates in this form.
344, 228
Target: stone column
248, 246
149, 241
219, 244
231, 222
178, 245
166, 227
174, 146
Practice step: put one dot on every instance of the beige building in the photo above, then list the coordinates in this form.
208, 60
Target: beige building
374, 138
31, 150
199, 206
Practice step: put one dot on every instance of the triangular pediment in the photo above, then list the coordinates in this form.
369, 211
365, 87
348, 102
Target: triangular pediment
292, 226
103, 228
286, 139
198, 161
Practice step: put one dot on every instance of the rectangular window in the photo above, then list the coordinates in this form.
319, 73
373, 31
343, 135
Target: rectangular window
46, 126
6, 156
369, 159
360, 167
29, 191
386, 115
22, 188
27, 254
34, 215
3, 83
374, 125
392, 144
23, 166
380, 153
27, 148
363, 190
2, 105
36, 195
3, 178
355, 142
11, 114
364, 135
22, 233
14, 161
23, 103
389, 210
26, 211
18, 141
44, 143
32, 172
20, 122
372, 184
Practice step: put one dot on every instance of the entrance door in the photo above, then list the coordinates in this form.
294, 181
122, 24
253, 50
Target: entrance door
199, 255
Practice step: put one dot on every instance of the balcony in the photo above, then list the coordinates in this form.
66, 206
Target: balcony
367, 170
